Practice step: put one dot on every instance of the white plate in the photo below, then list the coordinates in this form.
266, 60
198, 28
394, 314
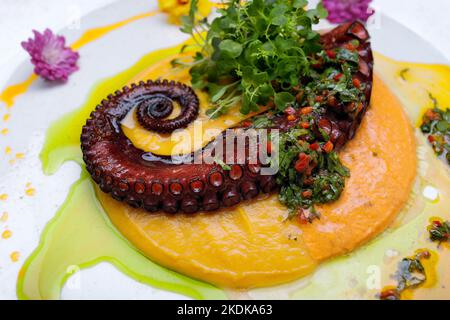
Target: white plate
45, 103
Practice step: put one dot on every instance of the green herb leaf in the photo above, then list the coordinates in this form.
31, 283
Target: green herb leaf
298, 4
283, 100
230, 48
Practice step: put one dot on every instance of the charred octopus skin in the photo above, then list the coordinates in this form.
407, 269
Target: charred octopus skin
152, 182
342, 120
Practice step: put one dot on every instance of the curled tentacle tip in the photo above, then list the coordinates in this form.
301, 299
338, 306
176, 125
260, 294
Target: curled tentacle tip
157, 103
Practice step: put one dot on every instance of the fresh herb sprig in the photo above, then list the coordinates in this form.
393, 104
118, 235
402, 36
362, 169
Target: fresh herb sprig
253, 52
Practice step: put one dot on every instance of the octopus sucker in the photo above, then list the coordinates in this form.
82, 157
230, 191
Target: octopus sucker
153, 182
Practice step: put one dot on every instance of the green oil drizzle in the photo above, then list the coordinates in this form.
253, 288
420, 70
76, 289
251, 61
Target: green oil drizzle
80, 234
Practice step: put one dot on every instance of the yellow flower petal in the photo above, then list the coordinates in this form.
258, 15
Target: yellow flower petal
175, 9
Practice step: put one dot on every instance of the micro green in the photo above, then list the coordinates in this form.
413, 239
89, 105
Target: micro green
253, 52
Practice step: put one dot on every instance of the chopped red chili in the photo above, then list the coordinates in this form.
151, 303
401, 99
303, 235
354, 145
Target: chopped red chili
315, 146
306, 110
430, 114
291, 117
302, 163
331, 54
304, 125
307, 194
390, 294
247, 123
437, 223
328, 147
349, 46
338, 76
357, 83
302, 217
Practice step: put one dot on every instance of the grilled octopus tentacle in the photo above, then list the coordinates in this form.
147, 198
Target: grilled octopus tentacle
156, 102
341, 121
153, 182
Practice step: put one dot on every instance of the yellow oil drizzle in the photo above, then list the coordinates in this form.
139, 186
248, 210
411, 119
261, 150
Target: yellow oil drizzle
414, 82
9, 94
94, 34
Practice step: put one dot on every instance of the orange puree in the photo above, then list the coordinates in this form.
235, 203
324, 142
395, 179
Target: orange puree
251, 245
382, 161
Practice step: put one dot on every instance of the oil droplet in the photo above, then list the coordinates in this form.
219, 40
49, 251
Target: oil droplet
4, 131
12, 161
20, 155
6, 117
4, 217
15, 256
8, 150
431, 193
391, 253
6, 234
30, 191
3, 197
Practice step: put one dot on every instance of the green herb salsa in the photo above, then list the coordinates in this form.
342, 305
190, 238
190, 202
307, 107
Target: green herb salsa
440, 231
436, 127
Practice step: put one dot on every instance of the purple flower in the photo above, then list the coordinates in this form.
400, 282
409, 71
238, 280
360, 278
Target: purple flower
347, 10
50, 56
